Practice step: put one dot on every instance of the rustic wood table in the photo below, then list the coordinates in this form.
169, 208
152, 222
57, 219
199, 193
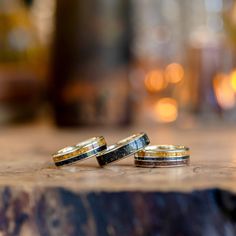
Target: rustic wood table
36, 198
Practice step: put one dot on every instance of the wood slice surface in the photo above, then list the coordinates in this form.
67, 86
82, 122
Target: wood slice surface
37, 198
26, 160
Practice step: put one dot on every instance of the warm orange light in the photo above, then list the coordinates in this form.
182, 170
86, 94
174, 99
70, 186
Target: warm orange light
155, 81
233, 80
223, 91
166, 110
174, 73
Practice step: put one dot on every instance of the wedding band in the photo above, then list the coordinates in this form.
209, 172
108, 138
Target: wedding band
86, 149
162, 156
123, 149
163, 151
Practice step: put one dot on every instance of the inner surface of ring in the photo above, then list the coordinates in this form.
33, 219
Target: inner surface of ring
111, 147
66, 150
87, 142
169, 147
165, 148
130, 138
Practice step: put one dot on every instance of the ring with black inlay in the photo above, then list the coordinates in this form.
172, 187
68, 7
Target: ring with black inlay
162, 156
86, 149
81, 157
123, 149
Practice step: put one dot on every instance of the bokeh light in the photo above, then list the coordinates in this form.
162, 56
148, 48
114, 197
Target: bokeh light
224, 92
155, 81
166, 110
174, 73
233, 80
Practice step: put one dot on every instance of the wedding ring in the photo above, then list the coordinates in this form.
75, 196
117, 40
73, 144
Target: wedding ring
86, 149
162, 156
123, 149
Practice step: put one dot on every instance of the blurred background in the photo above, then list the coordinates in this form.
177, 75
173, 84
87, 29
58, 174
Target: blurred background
117, 62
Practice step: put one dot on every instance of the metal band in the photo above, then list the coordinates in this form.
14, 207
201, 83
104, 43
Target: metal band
123, 149
89, 154
151, 164
163, 151
80, 149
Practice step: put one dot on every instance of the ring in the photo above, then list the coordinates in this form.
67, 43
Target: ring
80, 151
123, 148
162, 156
163, 151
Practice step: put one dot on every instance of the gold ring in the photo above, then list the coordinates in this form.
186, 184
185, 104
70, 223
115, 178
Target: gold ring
163, 151
80, 151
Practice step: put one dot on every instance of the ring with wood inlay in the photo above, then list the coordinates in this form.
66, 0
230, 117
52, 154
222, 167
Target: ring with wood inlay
83, 150
162, 156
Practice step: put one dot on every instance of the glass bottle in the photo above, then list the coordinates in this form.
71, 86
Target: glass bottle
91, 56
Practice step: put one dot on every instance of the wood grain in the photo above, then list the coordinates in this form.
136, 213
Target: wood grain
26, 161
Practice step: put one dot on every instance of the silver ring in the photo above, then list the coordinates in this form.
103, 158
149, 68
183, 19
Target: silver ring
123, 149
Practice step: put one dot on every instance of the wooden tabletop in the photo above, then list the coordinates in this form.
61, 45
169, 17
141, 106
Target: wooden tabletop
26, 160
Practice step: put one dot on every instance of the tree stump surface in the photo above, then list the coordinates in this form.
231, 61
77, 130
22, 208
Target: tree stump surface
37, 198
